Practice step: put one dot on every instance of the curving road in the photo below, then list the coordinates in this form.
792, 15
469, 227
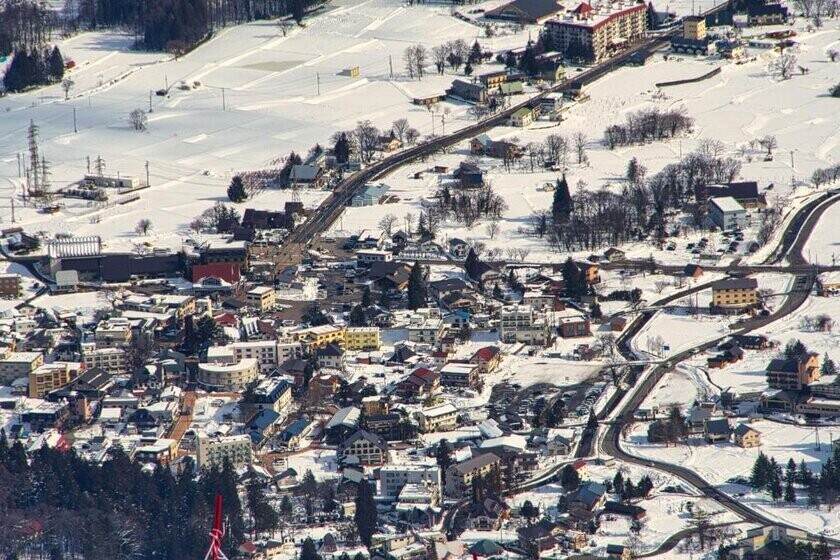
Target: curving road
797, 233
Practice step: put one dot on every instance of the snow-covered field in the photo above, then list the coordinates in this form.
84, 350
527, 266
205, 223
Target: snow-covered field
281, 94
738, 106
823, 246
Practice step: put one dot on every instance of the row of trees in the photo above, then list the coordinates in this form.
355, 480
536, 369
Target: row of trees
457, 54
33, 66
783, 484
25, 25
648, 124
466, 206
827, 175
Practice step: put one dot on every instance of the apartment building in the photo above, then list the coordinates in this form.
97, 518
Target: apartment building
459, 478
425, 330
176, 306
261, 298
368, 448
10, 285
212, 451
362, 338
265, 352
734, 295
19, 364
593, 34
522, 323
318, 337
275, 394
113, 333
439, 418
793, 373
49, 377
393, 478
459, 375
112, 360
230, 376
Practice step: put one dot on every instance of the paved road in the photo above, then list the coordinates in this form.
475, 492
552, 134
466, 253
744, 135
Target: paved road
796, 235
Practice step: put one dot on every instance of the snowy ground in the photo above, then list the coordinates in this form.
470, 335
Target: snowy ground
719, 463
735, 107
271, 94
823, 246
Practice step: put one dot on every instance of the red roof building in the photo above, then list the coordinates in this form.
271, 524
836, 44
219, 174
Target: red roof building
229, 272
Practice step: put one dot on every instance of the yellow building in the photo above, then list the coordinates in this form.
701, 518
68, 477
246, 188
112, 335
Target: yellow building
49, 377
362, 338
694, 28
318, 337
19, 364
735, 294
261, 297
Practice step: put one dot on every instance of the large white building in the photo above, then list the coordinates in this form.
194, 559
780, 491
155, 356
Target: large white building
595, 32
522, 323
213, 450
392, 478
233, 375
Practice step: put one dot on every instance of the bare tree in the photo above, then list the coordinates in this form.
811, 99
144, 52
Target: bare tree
400, 127
711, 148
522, 253
410, 59
138, 119
420, 58
367, 140
411, 136
580, 139
769, 143
439, 54
492, 229
67, 84
556, 148
783, 66
143, 226
387, 223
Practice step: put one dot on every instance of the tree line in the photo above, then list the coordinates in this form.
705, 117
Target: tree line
33, 67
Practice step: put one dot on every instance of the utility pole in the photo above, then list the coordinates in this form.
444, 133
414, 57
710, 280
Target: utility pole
150, 101
391, 66
75, 129
87, 158
18, 159
224, 106
166, 81
147, 174
318, 83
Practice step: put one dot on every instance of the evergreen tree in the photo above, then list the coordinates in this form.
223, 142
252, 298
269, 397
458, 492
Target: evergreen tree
828, 366
790, 493
468, 69
286, 507
308, 551
358, 317
475, 56
365, 513
561, 205
569, 478
367, 299
416, 287
775, 484
794, 349
596, 312
529, 511
471, 264
618, 483
497, 291
760, 475
790, 471
236, 190
629, 490
308, 486
528, 63
342, 149
804, 475
645, 486
574, 279
55, 65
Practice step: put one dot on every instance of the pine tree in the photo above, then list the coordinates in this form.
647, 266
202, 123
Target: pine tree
759, 477
569, 478
416, 287
358, 317
790, 493
775, 484
468, 69
804, 475
236, 190
55, 65
475, 55
561, 205
308, 551
342, 149
618, 482
367, 299
828, 366
365, 513
573, 279
790, 471
497, 291
471, 264
443, 457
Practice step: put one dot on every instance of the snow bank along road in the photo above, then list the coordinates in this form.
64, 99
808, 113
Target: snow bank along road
797, 232
328, 212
